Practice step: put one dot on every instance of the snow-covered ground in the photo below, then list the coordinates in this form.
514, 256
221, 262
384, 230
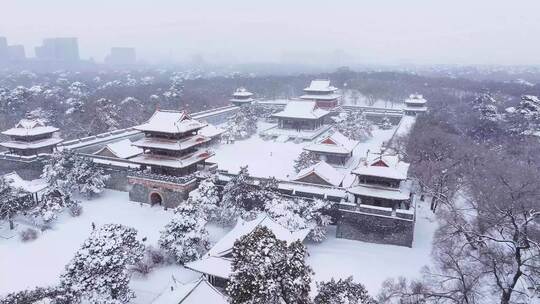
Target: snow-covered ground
370, 263
267, 158
40, 262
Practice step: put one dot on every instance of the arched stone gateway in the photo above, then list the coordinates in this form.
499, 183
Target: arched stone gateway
155, 199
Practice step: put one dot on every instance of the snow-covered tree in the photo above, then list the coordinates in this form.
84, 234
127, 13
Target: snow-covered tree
243, 123
78, 96
525, 118
89, 177
342, 292
206, 198
185, 237
12, 202
355, 126
298, 213
99, 271
108, 116
240, 198
40, 295
53, 201
385, 123
67, 172
267, 271
305, 159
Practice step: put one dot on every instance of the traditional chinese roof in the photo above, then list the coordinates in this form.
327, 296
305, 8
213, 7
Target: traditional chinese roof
215, 261
196, 292
36, 144
320, 85
324, 171
171, 144
398, 194
30, 127
242, 92
302, 110
172, 161
385, 166
326, 97
336, 143
31, 186
415, 99
172, 122
120, 149
211, 131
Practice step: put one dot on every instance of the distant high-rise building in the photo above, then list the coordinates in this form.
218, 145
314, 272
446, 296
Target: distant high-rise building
3, 49
16, 52
60, 49
121, 55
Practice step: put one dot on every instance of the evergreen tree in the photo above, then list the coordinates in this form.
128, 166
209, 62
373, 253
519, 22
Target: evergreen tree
89, 177
185, 237
99, 271
53, 201
12, 202
57, 172
206, 198
267, 271
305, 160
355, 126
240, 198
40, 295
243, 123
342, 292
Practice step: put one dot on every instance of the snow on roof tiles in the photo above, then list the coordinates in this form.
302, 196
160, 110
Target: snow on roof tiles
324, 171
173, 122
242, 92
30, 127
211, 131
196, 292
335, 143
122, 149
32, 186
400, 194
320, 85
415, 99
22, 145
386, 166
302, 110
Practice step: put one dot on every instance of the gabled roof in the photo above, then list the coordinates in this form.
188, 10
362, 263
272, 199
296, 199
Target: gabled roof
242, 92
173, 122
386, 166
32, 186
211, 131
121, 149
416, 99
302, 110
225, 245
215, 261
320, 85
324, 171
196, 292
334, 143
30, 127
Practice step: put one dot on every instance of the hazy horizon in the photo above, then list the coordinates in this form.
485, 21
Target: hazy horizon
240, 31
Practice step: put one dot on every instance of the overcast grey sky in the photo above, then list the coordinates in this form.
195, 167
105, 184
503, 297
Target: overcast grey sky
374, 31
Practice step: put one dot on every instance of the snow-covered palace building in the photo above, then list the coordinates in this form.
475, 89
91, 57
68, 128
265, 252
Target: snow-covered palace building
322, 93
380, 205
171, 154
415, 104
29, 143
241, 97
335, 148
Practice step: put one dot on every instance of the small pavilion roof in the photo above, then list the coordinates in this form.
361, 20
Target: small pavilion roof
302, 110
172, 122
30, 127
242, 92
36, 144
31, 186
196, 292
320, 85
324, 171
385, 166
415, 99
335, 143
121, 149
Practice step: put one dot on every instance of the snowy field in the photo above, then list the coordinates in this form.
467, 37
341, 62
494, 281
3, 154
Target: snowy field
40, 262
267, 158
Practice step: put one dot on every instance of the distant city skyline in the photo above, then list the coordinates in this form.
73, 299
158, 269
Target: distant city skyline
241, 31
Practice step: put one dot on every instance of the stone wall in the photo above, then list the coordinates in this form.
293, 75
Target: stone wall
26, 169
171, 195
118, 178
374, 228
